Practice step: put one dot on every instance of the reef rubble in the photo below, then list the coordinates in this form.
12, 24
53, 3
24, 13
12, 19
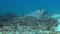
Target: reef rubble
30, 25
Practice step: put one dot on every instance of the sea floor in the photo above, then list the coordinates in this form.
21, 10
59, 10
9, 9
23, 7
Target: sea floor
26, 30
22, 29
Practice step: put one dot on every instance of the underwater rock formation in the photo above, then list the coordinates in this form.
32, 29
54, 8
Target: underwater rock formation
30, 24
29, 20
7, 18
57, 16
49, 22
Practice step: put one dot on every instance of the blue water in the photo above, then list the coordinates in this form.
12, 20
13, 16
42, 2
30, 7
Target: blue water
22, 7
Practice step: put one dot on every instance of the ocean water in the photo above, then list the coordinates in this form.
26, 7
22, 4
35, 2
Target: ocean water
25, 7
22, 7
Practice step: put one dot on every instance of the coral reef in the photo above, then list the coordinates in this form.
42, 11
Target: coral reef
6, 19
13, 24
46, 21
30, 25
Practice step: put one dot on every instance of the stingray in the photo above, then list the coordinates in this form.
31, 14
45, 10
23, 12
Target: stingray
37, 13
